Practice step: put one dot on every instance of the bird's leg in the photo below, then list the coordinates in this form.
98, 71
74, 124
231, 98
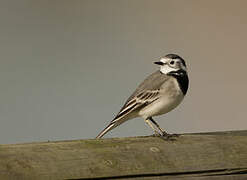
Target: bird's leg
150, 124
164, 133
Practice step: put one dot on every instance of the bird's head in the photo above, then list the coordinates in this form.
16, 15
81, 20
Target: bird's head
170, 63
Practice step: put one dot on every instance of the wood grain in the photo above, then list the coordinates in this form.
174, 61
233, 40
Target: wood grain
191, 156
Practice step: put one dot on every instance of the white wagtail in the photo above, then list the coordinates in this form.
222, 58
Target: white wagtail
158, 94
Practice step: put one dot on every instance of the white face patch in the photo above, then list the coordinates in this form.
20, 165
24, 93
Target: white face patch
167, 67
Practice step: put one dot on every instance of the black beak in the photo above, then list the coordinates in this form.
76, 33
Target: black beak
159, 63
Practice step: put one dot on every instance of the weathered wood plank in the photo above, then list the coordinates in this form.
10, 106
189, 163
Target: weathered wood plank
190, 156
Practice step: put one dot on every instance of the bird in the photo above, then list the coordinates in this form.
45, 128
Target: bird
158, 94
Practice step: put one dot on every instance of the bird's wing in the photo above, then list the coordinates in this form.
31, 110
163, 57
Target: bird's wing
141, 99
146, 93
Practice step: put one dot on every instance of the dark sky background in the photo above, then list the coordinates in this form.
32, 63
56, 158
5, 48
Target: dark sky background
68, 66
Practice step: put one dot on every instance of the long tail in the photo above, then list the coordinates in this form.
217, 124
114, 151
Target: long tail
114, 123
107, 129
119, 119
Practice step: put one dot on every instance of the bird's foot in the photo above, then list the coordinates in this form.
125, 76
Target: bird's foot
164, 135
171, 137
156, 134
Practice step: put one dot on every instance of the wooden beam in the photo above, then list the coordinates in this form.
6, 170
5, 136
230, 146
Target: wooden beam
191, 156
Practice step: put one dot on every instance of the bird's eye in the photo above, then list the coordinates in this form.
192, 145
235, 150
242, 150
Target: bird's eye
172, 62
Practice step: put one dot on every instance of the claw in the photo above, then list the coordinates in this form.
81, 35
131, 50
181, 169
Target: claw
171, 137
157, 134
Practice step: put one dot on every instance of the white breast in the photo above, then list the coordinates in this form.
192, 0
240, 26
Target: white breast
170, 97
